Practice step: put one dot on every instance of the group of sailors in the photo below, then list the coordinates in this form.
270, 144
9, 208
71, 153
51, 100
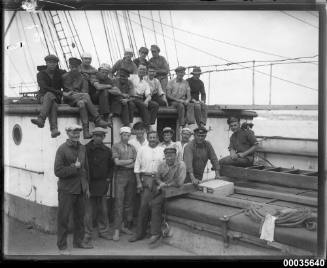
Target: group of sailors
128, 86
136, 171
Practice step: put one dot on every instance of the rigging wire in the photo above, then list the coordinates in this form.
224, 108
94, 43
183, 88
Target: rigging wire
24, 52
113, 39
142, 28
115, 35
16, 70
294, 17
213, 55
44, 34
73, 35
76, 33
128, 32
313, 14
219, 41
44, 43
162, 30
88, 24
154, 29
105, 31
131, 27
171, 21
119, 28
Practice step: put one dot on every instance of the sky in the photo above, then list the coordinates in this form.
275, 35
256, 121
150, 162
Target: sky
202, 38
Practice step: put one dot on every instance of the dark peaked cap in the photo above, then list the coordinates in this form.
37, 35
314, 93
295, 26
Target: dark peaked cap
74, 61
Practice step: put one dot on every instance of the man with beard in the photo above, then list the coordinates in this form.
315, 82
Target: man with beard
49, 95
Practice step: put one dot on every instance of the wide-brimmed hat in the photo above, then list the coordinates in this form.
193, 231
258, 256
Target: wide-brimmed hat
196, 70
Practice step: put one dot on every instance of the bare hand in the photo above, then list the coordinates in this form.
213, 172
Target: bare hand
77, 163
67, 94
146, 103
167, 103
123, 101
234, 156
241, 155
126, 96
194, 180
87, 194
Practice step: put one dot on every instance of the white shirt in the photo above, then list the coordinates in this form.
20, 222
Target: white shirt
148, 159
155, 86
180, 149
137, 144
141, 87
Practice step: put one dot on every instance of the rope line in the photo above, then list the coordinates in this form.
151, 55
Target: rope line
294, 17
171, 21
105, 32
88, 24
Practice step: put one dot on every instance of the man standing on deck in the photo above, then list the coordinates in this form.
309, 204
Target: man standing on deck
167, 135
141, 60
171, 173
146, 168
49, 95
157, 94
142, 97
139, 141
161, 66
71, 167
243, 144
87, 70
125, 63
197, 88
124, 156
76, 94
196, 155
179, 94
186, 134
101, 170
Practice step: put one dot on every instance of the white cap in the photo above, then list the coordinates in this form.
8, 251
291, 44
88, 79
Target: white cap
186, 129
105, 66
73, 127
86, 55
125, 130
129, 50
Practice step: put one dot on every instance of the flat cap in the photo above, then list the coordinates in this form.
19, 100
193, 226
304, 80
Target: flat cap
139, 125
125, 130
51, 58
196, 70
168, 129
73, 127
86, 55
201, 130
180, 69
232, 119
105, 66
170, 150
74, 61
155, 47
144, 49
99, 130
186, 129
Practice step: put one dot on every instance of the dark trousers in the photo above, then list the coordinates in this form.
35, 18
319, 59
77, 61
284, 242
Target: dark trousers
125, 187
124, 111
101, 97
156, 98
85, 105
200, 113
239, 162
49, 109
151, 206
148, 114
70, 203
180, 112
95, 212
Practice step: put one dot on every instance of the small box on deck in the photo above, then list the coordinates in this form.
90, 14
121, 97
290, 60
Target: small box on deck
217, 187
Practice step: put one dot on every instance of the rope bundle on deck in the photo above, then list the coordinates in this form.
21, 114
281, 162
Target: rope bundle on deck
284, 217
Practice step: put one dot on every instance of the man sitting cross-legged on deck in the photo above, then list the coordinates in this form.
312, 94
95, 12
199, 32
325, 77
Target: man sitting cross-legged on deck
242, 145
76, 94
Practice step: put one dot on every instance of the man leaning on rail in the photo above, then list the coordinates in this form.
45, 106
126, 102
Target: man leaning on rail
243, 144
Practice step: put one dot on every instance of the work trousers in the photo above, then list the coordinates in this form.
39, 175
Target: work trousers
200, 113
125, 190
85, 105
239, 162
101, 97
180, 112
151, 206
163, 81
70, 203
49, 109
95, 212
124, 110
148, 114
156, 98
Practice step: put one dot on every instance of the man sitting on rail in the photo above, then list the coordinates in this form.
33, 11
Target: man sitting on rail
141, 60
49, 95
125, 63
76, 94
242, 145
87, 70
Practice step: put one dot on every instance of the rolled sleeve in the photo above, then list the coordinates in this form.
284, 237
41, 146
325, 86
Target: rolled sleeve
115, 151
181, 174
137, 165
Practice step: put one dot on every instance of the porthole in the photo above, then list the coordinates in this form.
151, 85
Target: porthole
17, 134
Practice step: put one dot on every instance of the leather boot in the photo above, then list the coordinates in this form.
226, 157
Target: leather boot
86, 133
38, 121
53, 121
55, 133
100, 123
